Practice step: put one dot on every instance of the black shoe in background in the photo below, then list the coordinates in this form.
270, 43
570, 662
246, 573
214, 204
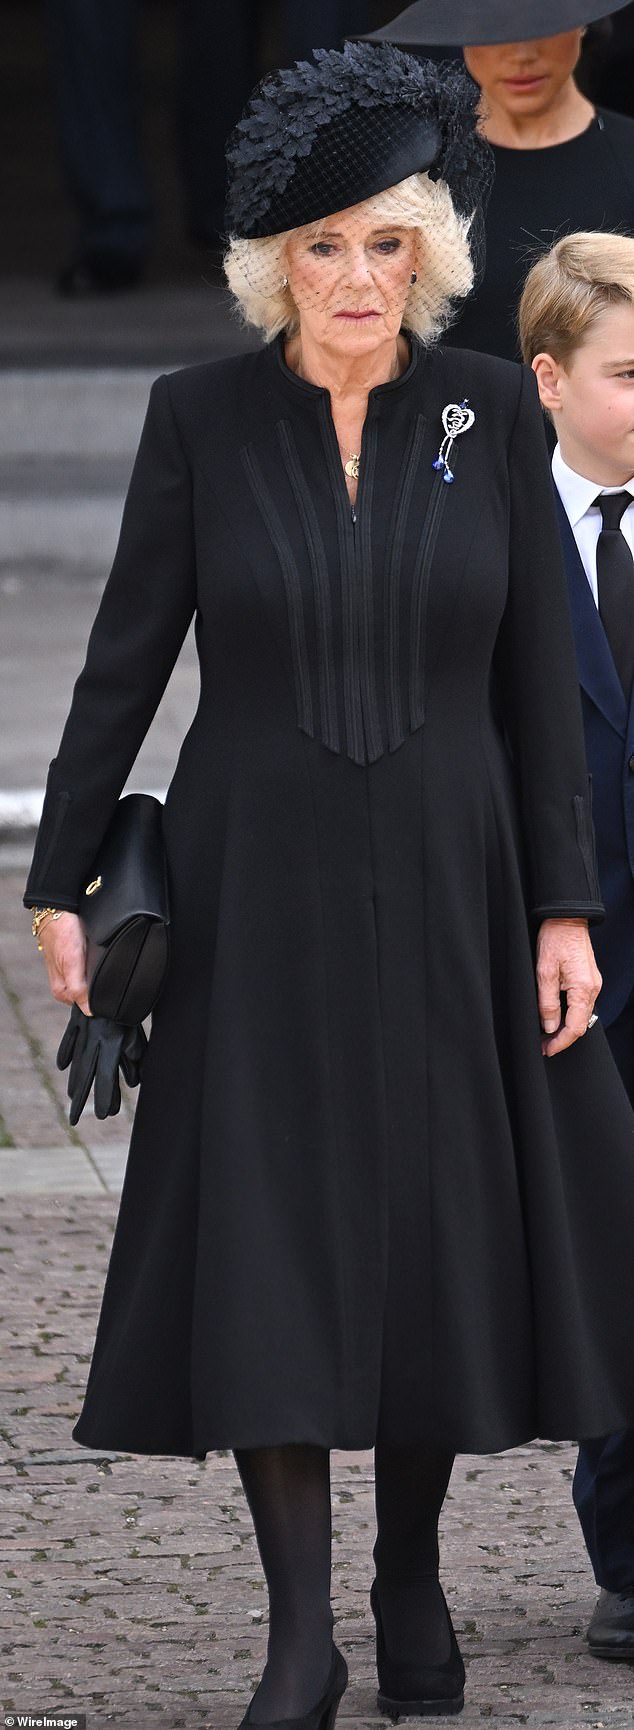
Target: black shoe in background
611, 1630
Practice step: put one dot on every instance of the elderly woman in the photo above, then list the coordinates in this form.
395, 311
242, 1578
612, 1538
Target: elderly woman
560, 162
359, 1203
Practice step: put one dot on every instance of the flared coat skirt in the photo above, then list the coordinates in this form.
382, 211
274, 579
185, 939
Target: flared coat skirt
358, 1199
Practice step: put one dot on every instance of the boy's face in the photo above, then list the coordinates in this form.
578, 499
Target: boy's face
591, 399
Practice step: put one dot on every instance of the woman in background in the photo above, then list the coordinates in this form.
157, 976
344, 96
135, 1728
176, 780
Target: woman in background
561, 163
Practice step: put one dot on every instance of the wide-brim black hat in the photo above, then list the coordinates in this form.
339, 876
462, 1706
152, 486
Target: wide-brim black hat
465, 23
331, 132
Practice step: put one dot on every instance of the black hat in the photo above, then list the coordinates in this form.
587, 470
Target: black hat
433, 23
335, 130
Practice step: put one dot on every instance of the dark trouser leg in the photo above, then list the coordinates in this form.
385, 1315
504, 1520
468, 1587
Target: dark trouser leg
95, 73
603, 1492
288, 1492
620, 1038
410, 1486
218, 70
603, 1487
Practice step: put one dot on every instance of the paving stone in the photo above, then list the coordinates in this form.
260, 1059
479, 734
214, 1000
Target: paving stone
29, 1171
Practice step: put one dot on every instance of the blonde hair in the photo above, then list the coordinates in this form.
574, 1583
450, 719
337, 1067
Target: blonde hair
569, 287
256, 276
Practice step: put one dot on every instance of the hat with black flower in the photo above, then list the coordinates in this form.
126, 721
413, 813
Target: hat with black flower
335, 130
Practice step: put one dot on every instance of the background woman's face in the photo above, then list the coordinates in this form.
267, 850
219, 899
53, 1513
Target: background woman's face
350, 280
525, 78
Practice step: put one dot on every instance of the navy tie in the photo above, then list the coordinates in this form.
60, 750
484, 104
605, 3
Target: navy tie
615, 579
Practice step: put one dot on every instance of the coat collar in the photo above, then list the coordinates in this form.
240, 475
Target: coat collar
314, 393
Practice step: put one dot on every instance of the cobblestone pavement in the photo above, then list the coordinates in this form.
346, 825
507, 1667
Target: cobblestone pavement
144, 1606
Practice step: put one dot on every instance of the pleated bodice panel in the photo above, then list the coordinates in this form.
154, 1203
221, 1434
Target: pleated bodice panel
354, 579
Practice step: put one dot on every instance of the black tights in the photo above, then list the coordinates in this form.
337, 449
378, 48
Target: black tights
410, 1487
288, 1492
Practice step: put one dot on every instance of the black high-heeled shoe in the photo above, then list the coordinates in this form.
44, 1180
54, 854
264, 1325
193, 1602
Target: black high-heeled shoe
323, 1715
412, 1690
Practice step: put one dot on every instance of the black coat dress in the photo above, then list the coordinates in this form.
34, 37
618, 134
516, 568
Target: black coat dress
358, 1200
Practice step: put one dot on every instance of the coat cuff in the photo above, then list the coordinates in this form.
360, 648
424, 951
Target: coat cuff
48, 899
593, 911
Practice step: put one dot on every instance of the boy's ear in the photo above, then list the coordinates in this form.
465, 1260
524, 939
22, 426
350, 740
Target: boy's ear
548, 374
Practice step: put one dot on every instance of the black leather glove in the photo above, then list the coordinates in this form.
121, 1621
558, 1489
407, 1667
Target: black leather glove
96, 1050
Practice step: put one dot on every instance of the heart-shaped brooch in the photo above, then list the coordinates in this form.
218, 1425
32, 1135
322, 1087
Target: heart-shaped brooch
456, 417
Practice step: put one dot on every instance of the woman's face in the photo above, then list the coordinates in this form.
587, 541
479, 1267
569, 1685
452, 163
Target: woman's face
525, 78
350, 280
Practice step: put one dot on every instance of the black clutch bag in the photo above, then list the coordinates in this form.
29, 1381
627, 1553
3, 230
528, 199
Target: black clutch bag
125, 913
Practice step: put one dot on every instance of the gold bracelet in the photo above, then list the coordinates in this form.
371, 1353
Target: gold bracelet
40, 914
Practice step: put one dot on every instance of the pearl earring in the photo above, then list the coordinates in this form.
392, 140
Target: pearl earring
284, 282
413, 278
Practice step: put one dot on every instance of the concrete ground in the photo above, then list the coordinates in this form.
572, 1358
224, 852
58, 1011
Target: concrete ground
145, 1605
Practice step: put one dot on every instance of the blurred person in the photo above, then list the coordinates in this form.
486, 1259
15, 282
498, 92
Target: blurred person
576, 323
96, 77
561, 162
361, 1204
606, 72
321, 24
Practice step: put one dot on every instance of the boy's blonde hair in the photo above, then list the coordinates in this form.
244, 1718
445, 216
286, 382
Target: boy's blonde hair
569, 287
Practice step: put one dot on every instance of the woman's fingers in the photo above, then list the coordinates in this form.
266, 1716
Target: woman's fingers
565, 968
64, 949
578, 1012
549, 991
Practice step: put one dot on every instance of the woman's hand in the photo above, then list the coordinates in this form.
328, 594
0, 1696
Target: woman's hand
64, 950
565, 962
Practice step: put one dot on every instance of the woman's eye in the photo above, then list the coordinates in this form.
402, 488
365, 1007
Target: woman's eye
388, 245
629, 373
322, 249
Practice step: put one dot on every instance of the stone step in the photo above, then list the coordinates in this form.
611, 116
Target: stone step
67, 444
68, 1169
46, 618
68, 531
160, 326
82, 412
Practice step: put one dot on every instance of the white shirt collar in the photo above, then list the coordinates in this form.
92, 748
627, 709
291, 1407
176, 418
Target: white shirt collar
577, 493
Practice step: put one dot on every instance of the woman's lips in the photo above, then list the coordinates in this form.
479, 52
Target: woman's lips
356, 315
525, 83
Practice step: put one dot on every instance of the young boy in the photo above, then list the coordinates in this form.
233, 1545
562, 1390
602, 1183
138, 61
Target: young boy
576, 322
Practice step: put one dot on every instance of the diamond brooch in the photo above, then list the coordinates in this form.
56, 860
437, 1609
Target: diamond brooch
456, 417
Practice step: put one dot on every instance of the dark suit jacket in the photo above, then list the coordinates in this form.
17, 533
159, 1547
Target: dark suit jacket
609, 730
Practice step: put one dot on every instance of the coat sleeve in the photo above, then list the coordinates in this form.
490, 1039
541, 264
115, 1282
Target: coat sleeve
539, 686
139, 629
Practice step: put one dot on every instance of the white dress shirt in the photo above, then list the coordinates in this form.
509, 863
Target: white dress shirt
577, 496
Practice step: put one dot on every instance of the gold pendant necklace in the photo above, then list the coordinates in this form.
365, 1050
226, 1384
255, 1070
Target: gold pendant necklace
352, 466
